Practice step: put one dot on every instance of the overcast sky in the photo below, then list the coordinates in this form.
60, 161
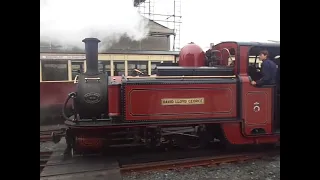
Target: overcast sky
203, 21
206, 21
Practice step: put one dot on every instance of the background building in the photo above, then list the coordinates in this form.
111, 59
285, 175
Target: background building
164, 32
157, 40
161, 45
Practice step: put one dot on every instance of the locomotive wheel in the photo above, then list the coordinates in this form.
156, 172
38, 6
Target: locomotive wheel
188, 142
199, 142
194, 143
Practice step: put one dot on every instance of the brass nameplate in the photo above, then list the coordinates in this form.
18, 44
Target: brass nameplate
181, 101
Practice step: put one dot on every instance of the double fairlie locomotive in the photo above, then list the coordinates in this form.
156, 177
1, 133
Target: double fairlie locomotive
205, 97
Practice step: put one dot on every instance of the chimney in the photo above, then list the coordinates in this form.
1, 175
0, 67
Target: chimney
91, 48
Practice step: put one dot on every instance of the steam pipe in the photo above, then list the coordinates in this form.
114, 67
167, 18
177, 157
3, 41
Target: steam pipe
91, 48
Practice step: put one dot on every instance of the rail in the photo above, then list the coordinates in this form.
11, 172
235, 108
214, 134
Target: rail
206, 160
44, 157
192, 162
51, 135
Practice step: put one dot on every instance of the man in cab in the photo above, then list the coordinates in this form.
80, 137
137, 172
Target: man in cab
268, 70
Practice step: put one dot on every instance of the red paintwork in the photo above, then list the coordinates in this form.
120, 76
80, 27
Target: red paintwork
233, 132
143, 102
262, 118
225, 57
89, 143
114, 100
55, 92
52, 98
191, 55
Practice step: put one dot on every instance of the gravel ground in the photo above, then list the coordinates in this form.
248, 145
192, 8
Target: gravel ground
263, 169
46, 146
50, 127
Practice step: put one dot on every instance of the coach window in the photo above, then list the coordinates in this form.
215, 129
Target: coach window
251, 61
153, 66
54, 70
100, 67
76, 68
119, 68
104, 67
140, 65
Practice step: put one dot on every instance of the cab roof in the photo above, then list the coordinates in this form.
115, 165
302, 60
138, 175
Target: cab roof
256, 47
261, 44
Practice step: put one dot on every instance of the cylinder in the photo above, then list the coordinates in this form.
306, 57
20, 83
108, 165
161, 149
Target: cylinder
91, 49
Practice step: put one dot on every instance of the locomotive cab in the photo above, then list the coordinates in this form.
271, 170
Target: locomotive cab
254, 72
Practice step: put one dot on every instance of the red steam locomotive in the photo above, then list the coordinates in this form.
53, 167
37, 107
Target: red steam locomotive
205, 97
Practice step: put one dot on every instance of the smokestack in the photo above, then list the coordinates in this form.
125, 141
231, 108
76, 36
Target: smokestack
91, 48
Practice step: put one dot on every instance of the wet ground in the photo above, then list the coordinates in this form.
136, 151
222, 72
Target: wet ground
263, 169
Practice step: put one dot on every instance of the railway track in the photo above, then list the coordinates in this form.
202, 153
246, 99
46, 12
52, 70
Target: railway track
44, 158
178, 163
123, 163
198, 161
47, 135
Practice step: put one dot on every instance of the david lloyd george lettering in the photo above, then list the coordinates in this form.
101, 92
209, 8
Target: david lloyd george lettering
181, 101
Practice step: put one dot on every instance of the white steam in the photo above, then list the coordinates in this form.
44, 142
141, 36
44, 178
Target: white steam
67, 22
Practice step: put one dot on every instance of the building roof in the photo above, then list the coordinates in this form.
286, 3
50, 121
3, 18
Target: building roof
175, 53
137, 2
158, 29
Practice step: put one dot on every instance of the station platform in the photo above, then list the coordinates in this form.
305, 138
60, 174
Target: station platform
79, 167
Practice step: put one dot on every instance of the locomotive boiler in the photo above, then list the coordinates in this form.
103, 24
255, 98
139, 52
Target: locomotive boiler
204, 98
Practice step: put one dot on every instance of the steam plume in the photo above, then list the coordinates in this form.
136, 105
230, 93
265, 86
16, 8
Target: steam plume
67, 22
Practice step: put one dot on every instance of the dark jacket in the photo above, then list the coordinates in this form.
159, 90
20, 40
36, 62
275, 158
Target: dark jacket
269, 73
